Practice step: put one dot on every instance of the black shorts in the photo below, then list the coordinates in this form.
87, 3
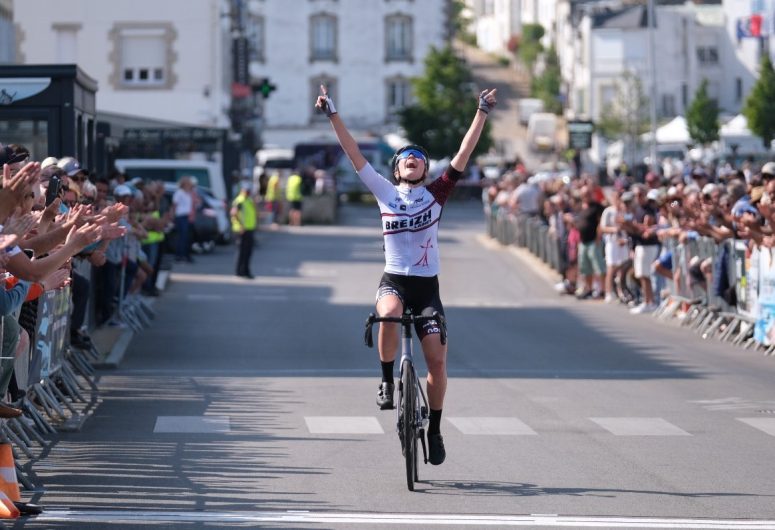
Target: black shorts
419, 294
295, 205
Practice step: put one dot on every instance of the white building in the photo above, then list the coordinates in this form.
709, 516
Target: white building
691, 44
7, 34
495, 22
364, 51
745, 53
167, 60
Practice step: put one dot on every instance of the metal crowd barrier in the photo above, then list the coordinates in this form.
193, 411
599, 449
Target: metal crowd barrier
58, 379
742, 317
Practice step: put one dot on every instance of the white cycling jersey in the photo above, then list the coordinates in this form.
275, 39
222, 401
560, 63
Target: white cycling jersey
410, 220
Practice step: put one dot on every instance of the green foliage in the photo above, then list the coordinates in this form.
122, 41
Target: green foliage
530, 45
759, 107
547, 85
446, 104
702, 116
461, 23
627, 114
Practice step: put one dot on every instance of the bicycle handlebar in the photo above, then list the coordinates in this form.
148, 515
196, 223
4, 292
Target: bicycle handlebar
405, 320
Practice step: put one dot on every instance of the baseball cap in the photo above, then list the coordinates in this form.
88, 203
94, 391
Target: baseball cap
69, 165
653, 195
9, 156
707, 189
769, 168
122, 190
50, 161
627, 196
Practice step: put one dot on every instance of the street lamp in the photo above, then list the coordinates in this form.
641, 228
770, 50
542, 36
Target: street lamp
652, 63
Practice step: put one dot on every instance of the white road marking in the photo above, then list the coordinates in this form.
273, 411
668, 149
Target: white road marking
192, 424
194, 297
301, 517
763, 424
491, 426
639, 427
343, 425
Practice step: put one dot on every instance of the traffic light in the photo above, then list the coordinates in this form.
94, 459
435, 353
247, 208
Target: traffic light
265, 87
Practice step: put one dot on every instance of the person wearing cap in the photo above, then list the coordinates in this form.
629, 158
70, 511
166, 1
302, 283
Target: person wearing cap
243, 223
616, 249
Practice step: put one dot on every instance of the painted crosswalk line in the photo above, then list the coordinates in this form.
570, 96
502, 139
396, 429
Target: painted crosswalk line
763, 424
491, 426
636, 426
343, 425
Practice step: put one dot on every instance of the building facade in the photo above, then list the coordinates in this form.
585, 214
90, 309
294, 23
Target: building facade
168, 60
365, 51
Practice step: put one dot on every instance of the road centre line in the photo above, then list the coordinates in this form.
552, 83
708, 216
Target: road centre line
98, 516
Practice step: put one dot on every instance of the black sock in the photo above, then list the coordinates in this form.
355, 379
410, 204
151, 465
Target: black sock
387, 371
435, 422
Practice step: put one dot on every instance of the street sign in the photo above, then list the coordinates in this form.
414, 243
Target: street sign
580, 134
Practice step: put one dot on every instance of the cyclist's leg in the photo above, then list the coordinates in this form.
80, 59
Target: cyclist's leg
436, 361
389, 305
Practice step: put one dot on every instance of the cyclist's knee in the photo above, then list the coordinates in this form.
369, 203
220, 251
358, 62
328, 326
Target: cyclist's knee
390, 306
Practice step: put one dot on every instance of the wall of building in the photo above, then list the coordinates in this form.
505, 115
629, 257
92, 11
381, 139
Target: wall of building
85, 32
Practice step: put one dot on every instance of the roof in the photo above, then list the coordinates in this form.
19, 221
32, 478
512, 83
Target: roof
624, 18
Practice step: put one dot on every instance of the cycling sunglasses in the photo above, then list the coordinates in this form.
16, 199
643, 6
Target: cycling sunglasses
414, 152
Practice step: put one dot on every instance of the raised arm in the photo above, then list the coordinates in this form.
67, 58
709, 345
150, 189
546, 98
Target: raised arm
486, 102
348, 143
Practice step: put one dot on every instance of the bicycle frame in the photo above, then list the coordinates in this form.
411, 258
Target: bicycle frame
407, 347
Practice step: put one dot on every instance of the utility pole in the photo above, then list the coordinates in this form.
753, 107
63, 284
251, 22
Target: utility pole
652, 64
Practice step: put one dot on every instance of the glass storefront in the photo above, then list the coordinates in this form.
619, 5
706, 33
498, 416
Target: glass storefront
32, 134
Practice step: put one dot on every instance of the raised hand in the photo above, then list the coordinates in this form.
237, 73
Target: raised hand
20, 226
487, 100
56, 279
84, 236
8, 240
112, 231
324, 102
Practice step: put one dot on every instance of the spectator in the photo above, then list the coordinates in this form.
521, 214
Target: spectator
643, 230
590, 253
183, 206
294, 197
616, 242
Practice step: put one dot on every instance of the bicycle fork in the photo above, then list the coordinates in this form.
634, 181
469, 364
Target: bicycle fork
421, 415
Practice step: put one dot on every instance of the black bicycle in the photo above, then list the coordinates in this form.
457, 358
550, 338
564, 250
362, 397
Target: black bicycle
412, 410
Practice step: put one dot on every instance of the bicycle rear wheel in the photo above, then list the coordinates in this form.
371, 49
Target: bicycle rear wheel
408, 423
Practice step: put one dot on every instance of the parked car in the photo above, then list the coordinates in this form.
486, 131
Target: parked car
541, 131
208, 174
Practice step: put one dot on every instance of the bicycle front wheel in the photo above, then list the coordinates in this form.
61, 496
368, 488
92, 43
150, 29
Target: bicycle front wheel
408, 423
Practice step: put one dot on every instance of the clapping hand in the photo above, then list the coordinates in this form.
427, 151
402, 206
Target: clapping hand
20, 226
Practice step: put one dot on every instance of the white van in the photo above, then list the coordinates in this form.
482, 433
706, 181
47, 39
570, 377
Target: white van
542, 131
208, 174
526, 107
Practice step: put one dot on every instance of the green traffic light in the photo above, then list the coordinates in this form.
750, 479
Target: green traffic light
266, 88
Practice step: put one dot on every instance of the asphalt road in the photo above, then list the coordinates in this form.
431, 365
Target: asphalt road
251, 404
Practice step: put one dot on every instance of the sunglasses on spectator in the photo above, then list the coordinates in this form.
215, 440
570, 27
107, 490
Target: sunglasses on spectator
86, 200
411, 152
78, 178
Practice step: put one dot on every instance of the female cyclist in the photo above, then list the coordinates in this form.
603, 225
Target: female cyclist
411, 211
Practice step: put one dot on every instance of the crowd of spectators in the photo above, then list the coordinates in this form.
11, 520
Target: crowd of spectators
61, 224
606, 233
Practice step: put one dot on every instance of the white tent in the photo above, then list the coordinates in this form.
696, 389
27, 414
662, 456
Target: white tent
736, 132
674, 132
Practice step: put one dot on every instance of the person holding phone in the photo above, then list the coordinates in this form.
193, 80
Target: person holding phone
411, 210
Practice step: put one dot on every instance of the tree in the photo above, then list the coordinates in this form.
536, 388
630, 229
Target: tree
702, 116
626, 117
546, 86
461, 23
759, 108
446, 103
530, 46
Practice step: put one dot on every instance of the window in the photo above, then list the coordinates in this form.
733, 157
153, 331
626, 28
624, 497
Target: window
707, 55
399, 95
398, 38
684, 95
330, 84
66, 42
323, 38
255, 31
143, 56
668, 105
738, 89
